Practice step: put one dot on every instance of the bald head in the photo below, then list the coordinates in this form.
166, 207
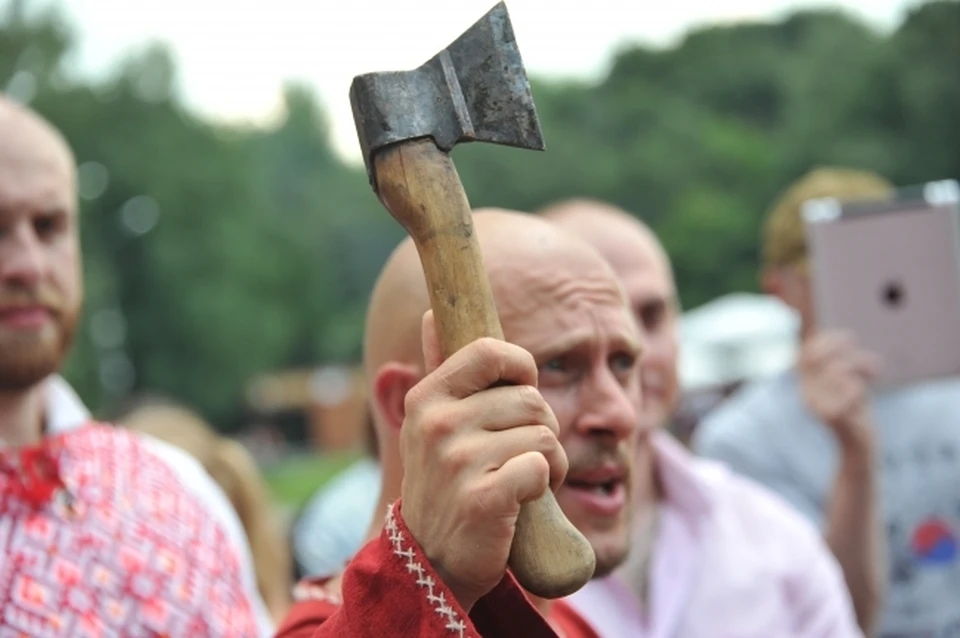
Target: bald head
32, 145
619, 236
517, 248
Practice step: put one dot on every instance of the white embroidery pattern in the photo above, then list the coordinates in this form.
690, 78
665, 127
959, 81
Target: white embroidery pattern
424, 580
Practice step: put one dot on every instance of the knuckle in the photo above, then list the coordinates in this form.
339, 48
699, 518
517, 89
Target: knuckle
540, 470
527, 359
456, 459
544, 438
413, 401
433, 423
489, 351
441, 425
530, 398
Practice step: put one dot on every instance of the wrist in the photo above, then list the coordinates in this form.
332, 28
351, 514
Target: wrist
855, 436
464, 596
856, 455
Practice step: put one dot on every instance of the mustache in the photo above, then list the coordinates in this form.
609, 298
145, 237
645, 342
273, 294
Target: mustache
599, 455
11, 297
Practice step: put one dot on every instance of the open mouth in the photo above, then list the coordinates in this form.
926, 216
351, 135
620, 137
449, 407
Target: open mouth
606, 488
603, 492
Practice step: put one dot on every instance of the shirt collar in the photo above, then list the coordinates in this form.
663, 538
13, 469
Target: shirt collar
64, 409
684, 489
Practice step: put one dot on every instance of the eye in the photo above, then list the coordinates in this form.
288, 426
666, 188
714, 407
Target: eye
652, 314
554, 365
559, 371
47, 225
623, 362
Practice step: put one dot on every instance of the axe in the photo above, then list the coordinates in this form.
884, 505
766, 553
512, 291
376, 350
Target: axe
408, 121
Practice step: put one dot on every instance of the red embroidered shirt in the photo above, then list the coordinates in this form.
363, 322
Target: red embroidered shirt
390, 589
99, 538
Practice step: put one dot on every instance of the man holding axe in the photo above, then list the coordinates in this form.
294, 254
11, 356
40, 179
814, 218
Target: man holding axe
478, 449
463, 455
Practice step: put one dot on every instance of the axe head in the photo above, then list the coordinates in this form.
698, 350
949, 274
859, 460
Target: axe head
474, 90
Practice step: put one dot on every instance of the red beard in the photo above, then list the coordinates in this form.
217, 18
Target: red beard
27, 356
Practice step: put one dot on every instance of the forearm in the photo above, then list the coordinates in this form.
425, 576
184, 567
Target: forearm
855, 534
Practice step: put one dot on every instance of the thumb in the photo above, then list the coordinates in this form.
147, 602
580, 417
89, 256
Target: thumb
432, 356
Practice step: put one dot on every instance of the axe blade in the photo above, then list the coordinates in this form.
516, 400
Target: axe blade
475, 90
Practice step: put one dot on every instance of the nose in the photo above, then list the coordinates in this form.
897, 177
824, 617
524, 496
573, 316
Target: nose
607, 408
21, 259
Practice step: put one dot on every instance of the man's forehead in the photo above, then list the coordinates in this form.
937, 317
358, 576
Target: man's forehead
555, 308
28, 139
642, 265
35, 185
36, 167
550, 332
648, 285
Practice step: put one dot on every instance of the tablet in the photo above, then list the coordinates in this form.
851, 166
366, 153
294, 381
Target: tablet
888, 271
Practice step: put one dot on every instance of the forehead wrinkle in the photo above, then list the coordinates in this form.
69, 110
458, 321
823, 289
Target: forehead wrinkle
544, 309
522, 291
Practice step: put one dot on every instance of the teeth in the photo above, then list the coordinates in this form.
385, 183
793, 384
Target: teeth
604, 489
599, 488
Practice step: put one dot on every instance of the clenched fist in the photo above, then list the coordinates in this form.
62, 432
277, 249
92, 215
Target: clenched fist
472, 455
835, 377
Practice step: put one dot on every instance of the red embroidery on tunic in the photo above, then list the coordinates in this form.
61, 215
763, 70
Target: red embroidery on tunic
126, 551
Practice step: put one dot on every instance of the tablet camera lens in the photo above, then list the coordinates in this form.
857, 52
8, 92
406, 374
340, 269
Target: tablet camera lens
893, 294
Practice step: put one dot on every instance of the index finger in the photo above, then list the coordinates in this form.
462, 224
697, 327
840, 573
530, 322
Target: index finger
482, 364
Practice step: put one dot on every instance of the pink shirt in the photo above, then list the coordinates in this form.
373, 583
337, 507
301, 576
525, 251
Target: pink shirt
731, 560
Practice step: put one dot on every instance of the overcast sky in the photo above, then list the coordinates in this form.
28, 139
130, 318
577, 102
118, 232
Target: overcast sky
234, 55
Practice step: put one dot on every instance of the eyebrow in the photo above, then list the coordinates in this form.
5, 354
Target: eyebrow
667, 302
577, 341
47, 209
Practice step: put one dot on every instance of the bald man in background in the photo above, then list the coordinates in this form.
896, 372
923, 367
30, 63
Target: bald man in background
713, 554
102, 531
575, 355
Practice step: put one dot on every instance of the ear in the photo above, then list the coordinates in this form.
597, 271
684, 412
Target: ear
390, 387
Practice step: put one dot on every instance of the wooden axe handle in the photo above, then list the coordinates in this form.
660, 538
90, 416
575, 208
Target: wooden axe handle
419, 185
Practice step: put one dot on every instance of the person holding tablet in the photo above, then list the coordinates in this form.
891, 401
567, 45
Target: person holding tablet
877, 470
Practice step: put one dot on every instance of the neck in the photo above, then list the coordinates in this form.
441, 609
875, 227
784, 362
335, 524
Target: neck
376, 525
392, 477
21, 417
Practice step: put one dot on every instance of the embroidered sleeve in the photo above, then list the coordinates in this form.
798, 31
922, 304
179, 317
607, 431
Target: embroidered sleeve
390, 589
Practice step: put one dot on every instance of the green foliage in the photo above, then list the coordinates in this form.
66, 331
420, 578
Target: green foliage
265, 244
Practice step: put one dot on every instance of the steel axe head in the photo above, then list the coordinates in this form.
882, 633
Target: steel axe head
474, 90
